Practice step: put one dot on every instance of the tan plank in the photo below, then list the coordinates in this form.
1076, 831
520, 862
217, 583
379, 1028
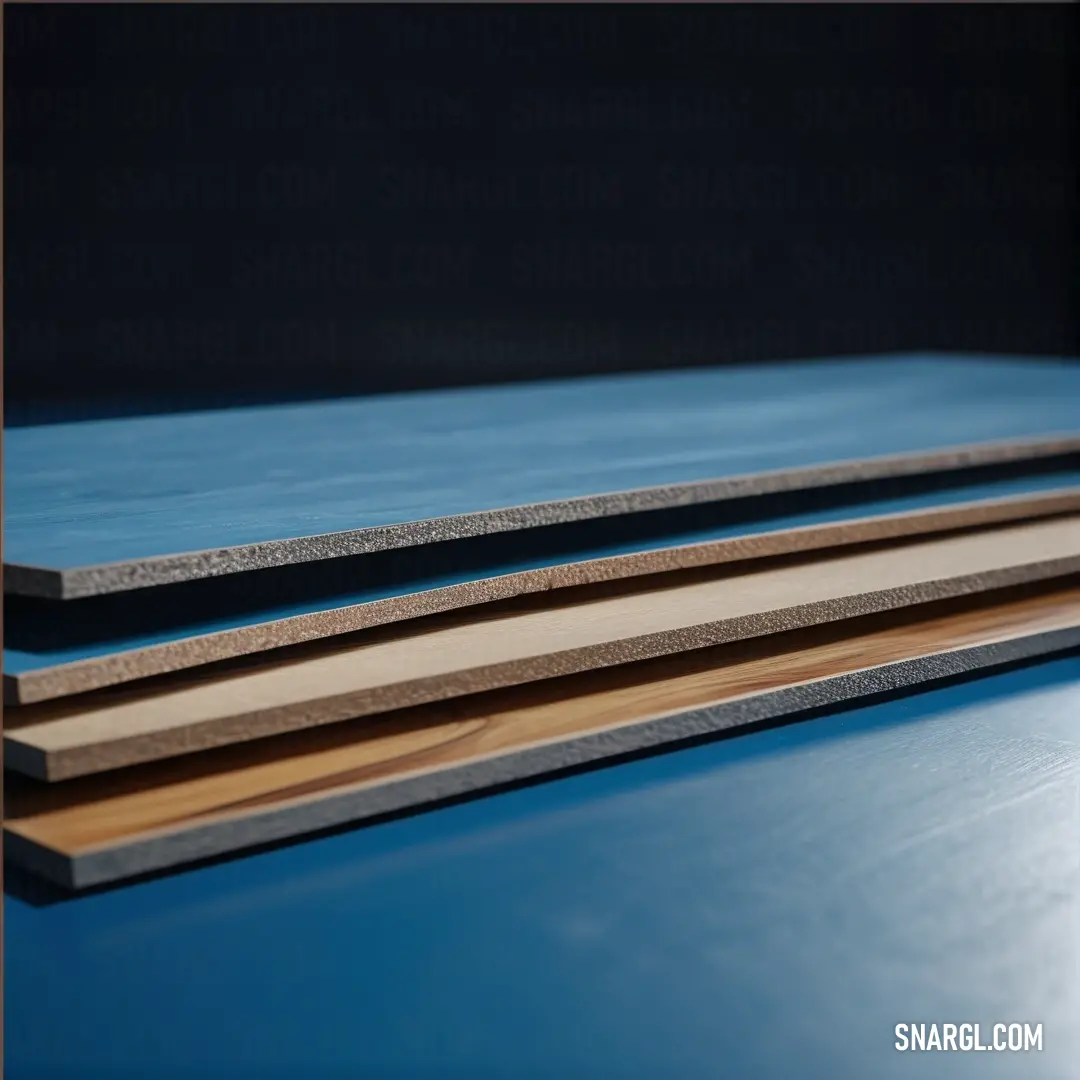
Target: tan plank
103, 811
612, 625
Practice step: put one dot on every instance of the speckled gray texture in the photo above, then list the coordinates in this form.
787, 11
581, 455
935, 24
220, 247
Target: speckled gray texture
142, 573
133, 750
165, 849
82, 676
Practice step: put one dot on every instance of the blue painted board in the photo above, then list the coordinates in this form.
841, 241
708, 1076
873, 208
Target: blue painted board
760, 908
82, 494
103, 616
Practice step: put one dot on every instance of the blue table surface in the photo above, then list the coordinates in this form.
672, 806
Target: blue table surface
80, 494
767, 906
21, 661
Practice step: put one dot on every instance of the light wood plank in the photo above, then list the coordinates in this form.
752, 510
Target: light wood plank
499, 647
255, 782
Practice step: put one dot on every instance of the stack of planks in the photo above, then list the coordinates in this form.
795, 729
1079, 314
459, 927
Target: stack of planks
236, 627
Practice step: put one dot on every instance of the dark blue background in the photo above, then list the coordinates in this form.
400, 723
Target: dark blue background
209, 202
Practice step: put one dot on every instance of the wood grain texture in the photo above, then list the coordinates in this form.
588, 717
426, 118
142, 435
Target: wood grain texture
106, 506
645, 916
32, 677
921, 849
97, 828
523, 641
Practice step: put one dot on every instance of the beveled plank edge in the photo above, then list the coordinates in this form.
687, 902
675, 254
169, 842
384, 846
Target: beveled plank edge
82, 676
130, 750
28, 760
40, 860
171, 848
20, 580
96, 580
12, 691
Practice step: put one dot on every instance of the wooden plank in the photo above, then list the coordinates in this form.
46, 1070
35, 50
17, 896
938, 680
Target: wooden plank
162, 643
111, 505
105, 827
918, 849
519, 642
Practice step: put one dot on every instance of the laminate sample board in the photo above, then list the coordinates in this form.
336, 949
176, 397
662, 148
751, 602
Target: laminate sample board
491, 648
104, 506
72, 647
776, 902
148, 818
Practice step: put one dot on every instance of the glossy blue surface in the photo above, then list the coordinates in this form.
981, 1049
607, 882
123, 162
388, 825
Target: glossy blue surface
107, 491
769, 906
17, 661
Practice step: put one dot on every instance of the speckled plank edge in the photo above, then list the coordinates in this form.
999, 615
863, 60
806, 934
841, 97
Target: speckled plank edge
170, 848
63, 680
144, 573
466, 656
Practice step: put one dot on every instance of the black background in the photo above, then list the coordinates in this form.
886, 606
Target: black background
208, 204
